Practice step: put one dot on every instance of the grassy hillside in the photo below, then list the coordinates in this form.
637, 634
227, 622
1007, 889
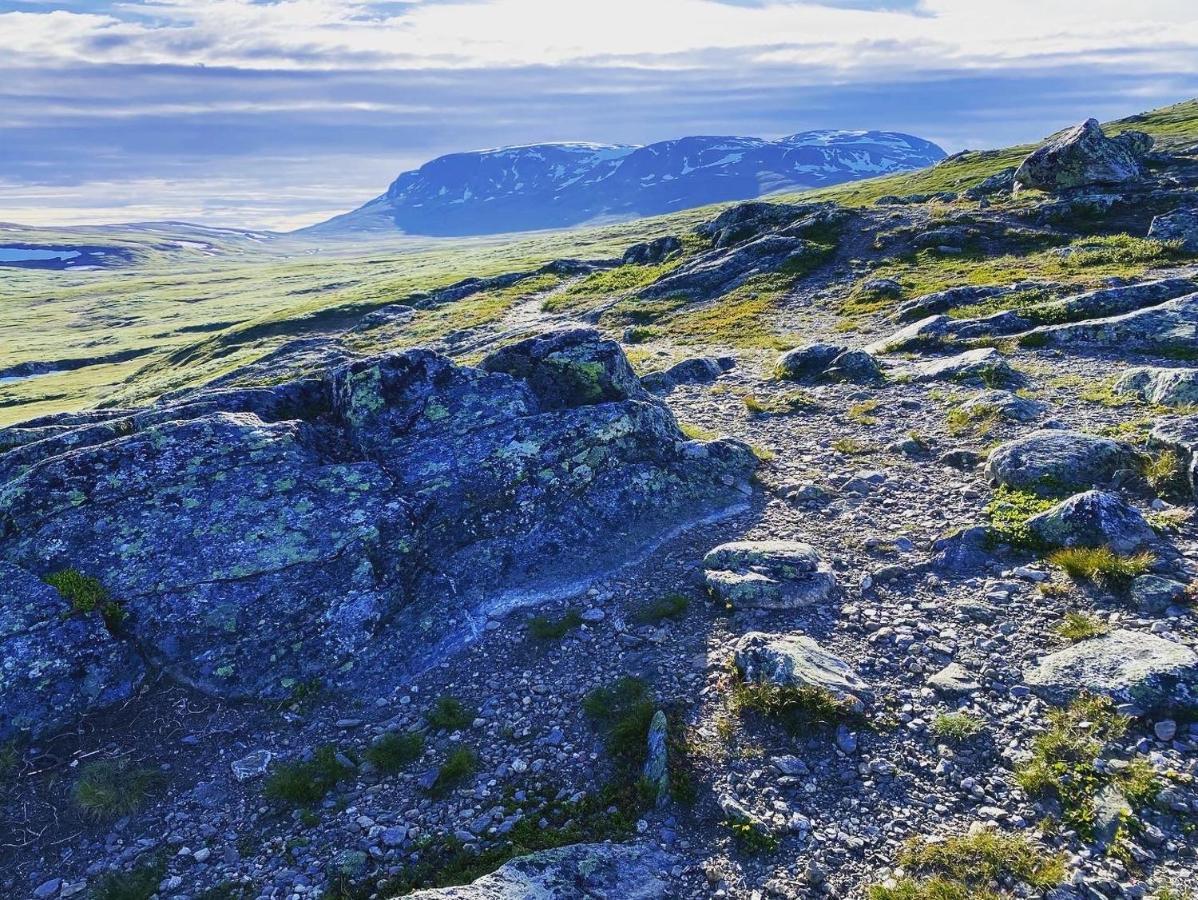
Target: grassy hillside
199, 302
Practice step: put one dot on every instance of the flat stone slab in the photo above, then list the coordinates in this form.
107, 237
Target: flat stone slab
954, 679
768, 574
795, 660
625, 871
1129, 666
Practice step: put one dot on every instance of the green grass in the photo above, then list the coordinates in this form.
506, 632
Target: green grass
794, 708
750, 838
956, 727
450, 714
140, 883
863, 413
850, 446
980, 419
1101, 564
671, 606
963, 867
1165, 471
393, 751
1079, 626
107, 789
622, 712
780, 404
1062, 764
306, 782
544, 628
458, 766
694, 432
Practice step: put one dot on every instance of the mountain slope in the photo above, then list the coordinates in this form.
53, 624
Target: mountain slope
559, 185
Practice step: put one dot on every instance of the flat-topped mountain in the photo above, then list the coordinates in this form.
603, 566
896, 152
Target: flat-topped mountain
559, 185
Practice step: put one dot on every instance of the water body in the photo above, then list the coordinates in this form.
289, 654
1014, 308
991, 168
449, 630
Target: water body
21, 254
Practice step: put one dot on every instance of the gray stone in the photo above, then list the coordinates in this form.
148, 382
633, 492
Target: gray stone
1160, 386
986, 365
1111, 810
252, 766
1006, 404
1052, 460
795, 660
855, 366
807, 361
624, 871
1153, 594
47, 889
1165, 329
1079, 157
1179, 434
768, 574
954, 679
1129, 666
1165, 730
943, 301
651, 253
1179, 225
657, 769
921, 335
1093, 519
697, 370
999, 182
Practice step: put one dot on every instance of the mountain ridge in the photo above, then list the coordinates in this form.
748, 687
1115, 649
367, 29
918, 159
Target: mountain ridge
563, 184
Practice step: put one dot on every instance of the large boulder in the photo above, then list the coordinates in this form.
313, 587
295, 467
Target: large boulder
1169, 328
1080, 157
1179, 434
768, 574
652, 252
795, 660
985, 365
1160, 386
254, 541
57, 663
611, 871
746, 221
696, 370
1093, 519
1179, 225
1050, 461
807, 361
1128, 666
1006, 404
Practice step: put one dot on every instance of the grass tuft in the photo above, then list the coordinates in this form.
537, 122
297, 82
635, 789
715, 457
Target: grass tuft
394, 750
1078, 626
543, 628
1101, 564
305, 783
956, 727
671, 606
450, 714
110, 788
965, 866
458, 766
795, 708
140, 883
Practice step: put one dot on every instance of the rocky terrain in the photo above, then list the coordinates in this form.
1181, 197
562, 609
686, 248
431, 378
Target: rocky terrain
822, 550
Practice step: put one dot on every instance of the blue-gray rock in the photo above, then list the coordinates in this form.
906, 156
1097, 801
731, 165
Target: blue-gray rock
657, 759
807, 361
255, 537
1179, 435
1051, 460
985, 365
651, 253
1082, 156
1129, 666
611, 871
1169, 328
795, 660
1178, 225
768, 574
1160, 386
56, 664
1093, 519
1153, 594
696, 370
1006, 404
857, 366
954, 679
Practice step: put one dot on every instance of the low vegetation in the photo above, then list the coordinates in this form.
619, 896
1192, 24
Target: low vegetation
1101, 564
307, 782
393, 751
794, 708
109, 788
1009, 513
545, 628
140, 883
86, 595
1078, 626
449, 713
671, 606
956, 727
458, 766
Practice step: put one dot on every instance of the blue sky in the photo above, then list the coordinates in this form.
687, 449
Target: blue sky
277, 113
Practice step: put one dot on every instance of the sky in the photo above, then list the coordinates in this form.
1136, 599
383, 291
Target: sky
275, 114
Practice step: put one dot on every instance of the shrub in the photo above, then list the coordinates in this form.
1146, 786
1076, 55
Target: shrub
750, 838
394, 750
669, 607
1101, 564
450, 714
85, 594
543, 628
459, 766
306, 782
956, 726
1078, 626
110, 788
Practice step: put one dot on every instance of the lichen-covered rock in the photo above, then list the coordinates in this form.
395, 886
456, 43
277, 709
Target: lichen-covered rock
1079, 157
1129, 666
1179, 435
1006, 404
857, 366
768, 574
795, 660
1049, 460
657, 757
696, 370
598, 871
1093, 519
1160, 386
807, 361
746, 221
1153, 594
984, 365
929, 331
251, 549
1179, 225
56, 663
1168, 328
651, 253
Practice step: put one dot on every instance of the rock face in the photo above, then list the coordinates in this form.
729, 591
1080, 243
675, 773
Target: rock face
600, 871
1160, 386
261, 536
1179, 225
1081, 157
1169, 328
1049, 460
56, 663
796, 661
1126, 665
652, 252
768, 574
1093, 519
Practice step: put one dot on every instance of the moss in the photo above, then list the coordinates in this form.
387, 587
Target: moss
86, 595
394, 750
109, 788
694, 432
956, 727
780, 404
450, 714
544, 628
671, 606
306, 782
1079, 626
1101, 564
1009, 513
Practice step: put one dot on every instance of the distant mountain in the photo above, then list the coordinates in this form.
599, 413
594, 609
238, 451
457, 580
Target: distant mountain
558, 185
